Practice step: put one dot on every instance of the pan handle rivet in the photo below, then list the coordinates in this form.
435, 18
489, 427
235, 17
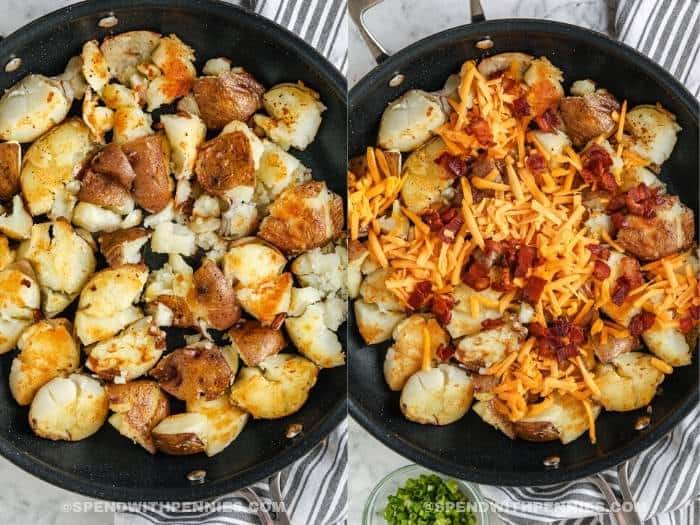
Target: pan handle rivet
485, 43
197, 476
13, 65
552, 462
108, 21
397, 80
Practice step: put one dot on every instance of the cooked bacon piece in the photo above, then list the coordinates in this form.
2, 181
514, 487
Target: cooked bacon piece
479, 127
565, 352
641, 200
599, 251
600, 270
641, 322
535, 162
490, 255
433, 220
526, 258
483, 384
619, 221
685, 324
444, 352
617, 202
621, 290
420, 296
520, 106
596, 162
533, 289
448, 233
537, 330
442, 308
476, 276
455, 165
502, 281
487, 324
547, 121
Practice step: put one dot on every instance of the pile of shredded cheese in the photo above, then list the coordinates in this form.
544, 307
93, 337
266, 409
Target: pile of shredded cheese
543, 210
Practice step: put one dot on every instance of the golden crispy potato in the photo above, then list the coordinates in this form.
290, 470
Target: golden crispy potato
129, 354
426, 182
375, 326
195, 371
267, 299
175, 60
462, 322
139, 406
107, 302
186, 133
565, 420
490, 346
10, 166
19, 302
295, 115
52, 161
670, 344
303, 217
410, 120
314, 339
405, 356
7, 254
95, 69
31, 107
486, 411
231, 95
653, 131
255, 343
69, 408
438, 396
181, 434
150, 158
251, 260
628, 382
47, 350
131, 123
224, 422
17, 223
125, 51
277, 387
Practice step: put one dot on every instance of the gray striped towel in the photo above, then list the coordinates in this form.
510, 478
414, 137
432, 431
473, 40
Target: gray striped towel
314, 489
665, 479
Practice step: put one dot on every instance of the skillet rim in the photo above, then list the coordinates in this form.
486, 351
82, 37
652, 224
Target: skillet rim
371, 421
332, 419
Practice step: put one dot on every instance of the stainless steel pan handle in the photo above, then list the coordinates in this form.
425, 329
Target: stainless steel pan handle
358, 11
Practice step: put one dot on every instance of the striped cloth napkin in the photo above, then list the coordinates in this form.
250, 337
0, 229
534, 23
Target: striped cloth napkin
665, 479
314, 489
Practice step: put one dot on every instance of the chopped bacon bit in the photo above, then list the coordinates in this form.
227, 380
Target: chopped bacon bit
433, 220
547, 121
621, 291
619, 220
537, 330
641, 322
533, 289
599, 251
565, 352
278, 320
640, 201
444, 352
449, 214
502, 281
617, 202
525, 260
600, 270
630, 270
487, 324
685, 324
420, 296
694, 312
442, 308
455, 165
449, 233
479, 127
596, 163
535, 162
477, 276
520, 107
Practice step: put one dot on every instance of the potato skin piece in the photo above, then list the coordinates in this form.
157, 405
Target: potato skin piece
191, 372
256, 342
213, 299
224, 163
10, 164
589, 116
234, 95
149, 156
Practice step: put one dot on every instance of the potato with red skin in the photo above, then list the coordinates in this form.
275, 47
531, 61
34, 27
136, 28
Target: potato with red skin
234, 95
113, 162
150, 158
224, 163
255, 342
123, 246
139, 406
181, 434
103, 191
195, 371
303, 217
212, 297
10, 165
588, 116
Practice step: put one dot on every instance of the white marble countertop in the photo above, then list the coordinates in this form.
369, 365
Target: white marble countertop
371, 461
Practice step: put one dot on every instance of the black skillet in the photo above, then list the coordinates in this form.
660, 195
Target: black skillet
107, 465
470, 449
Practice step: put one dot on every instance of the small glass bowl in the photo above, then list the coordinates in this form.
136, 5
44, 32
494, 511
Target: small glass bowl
379, 497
